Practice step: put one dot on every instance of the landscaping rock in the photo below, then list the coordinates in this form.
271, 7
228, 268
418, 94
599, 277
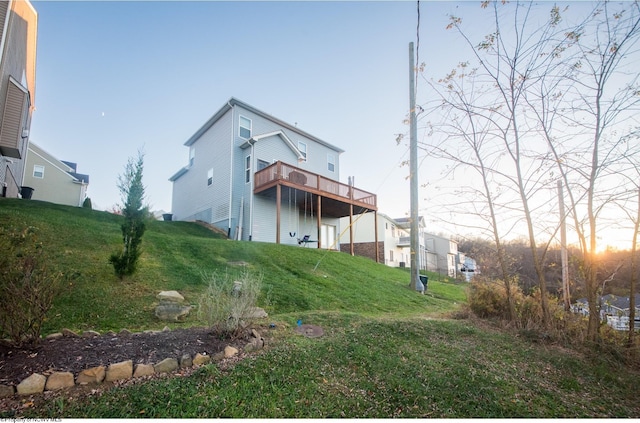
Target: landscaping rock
69, 333
166, 366
172, 312
230, 351
171, 296
143, 370
34, 384
6, 391
186, 361
59, 380
218, 356
254, 313
124, 332
90, 334
92, 375
166, 329
117, 371
254, 345
54, 335
201, 359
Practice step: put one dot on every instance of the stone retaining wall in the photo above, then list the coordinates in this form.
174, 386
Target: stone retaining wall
37, 383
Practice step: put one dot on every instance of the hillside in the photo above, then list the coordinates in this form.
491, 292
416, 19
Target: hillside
176, 255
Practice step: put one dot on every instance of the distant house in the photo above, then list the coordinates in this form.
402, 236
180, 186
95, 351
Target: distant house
614, 310
18, 33
437, 253
391, 237
259, 178
54, 180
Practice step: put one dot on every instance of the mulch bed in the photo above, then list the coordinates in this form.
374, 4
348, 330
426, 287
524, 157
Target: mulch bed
74, 354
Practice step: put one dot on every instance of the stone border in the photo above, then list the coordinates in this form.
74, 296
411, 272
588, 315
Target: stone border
37, 383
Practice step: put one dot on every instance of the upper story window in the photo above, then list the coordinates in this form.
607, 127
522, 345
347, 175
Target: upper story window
38, 171
192, 155
210, 177
262, 164
247, 170
331, 163
245, 128
302, 146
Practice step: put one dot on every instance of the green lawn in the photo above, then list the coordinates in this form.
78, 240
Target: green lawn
386, 352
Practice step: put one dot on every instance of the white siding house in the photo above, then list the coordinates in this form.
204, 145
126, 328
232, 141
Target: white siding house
389, 235
446, 251
262, 179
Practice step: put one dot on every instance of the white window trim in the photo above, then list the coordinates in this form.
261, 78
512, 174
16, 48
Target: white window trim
305, 153
42, 171
240, 127
247, 169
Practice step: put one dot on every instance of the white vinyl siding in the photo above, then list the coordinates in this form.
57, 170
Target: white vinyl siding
38, 171
245, 128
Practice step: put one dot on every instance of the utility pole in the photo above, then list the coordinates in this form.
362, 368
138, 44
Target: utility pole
564, 257
416, 284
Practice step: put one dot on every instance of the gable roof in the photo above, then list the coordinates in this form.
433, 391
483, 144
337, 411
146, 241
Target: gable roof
235, 102
282, 135
66, 167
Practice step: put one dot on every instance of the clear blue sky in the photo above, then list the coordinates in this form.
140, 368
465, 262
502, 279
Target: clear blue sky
114, 77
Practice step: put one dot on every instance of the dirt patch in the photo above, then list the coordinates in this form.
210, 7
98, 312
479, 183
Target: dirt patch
71, 354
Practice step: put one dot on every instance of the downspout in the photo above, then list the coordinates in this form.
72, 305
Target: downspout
251, 190
233, 129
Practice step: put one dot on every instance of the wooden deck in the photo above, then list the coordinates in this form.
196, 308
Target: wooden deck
337, 198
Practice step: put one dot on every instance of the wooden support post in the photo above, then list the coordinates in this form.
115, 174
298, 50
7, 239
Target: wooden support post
375, 230
278, 200
351, 249
319, 217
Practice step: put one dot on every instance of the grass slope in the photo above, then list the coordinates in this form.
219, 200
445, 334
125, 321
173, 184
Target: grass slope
385, 352
176, 255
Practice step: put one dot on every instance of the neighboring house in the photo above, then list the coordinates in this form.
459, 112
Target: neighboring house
259, 178
54, 180
467, 266
18, 32
437, 254
614, 310
389, 234
446, 253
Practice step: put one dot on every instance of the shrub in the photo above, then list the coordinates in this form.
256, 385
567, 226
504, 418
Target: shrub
488, 298
229, 303
132, 192
87, 203
27, 286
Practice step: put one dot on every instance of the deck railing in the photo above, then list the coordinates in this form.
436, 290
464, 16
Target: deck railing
281, 172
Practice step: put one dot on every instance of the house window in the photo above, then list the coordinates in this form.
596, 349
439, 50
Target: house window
38, 171
390, 255
192, 155
247, 170
245, 128
331, 162
302, 146
262, 164
210, 177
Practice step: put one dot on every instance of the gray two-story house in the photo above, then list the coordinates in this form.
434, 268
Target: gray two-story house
262, 179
